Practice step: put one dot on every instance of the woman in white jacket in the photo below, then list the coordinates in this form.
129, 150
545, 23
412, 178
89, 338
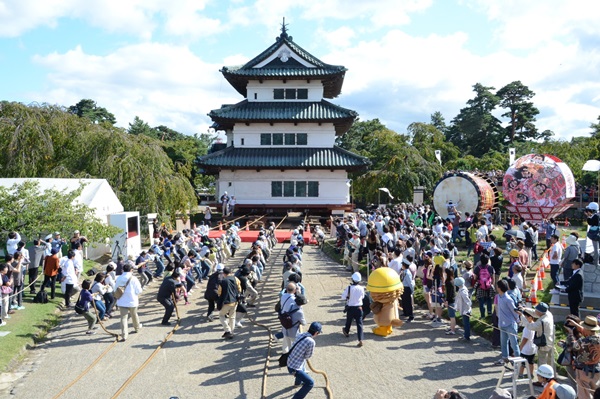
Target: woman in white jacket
463, 307
129, 301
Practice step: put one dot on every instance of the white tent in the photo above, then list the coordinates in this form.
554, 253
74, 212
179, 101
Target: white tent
97, 194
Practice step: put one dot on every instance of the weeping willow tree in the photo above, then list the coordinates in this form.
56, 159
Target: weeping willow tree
47, 141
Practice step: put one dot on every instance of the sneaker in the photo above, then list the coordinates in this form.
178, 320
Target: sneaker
90, 332
450, 332
7, 317
2, 324
360, 344
225, 334
228, 335
345, 333
500, 362
239, 324
411, 318
554, 291
165, 323
210, 317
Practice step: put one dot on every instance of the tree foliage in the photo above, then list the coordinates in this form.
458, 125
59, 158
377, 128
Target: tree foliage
475, 130
396, 164
47, 141
516, 97
26, 209
87, 108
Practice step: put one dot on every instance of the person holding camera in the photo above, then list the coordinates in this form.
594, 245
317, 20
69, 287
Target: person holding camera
354, 295
574, 286
508, 318
593, 221
586, 354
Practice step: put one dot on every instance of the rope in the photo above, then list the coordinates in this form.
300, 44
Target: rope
101, 323
324, 374
158, 348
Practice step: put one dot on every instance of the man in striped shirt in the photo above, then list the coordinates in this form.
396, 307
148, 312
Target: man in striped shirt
302, 350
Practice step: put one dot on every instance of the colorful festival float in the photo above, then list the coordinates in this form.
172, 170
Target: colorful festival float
464, 192
538, 187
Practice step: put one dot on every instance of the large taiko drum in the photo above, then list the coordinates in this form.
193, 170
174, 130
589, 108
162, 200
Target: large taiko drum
464, 192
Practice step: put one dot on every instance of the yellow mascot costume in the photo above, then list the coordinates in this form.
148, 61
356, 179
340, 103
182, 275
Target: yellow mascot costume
385, 287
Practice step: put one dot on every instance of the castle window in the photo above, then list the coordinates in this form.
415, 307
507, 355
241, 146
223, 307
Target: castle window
294, 189
278, 94
276, 189
290, 139
277, 138
301, 139
302, 94
265, 139
290, 94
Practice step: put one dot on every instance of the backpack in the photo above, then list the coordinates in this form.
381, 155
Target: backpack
485, 278
41, 297
528, 239
391, 245
285, 318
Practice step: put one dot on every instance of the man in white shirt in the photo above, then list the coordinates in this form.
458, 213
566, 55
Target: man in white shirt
354, 295
556, 252
396, 263
11, 244
129, 301
69, 280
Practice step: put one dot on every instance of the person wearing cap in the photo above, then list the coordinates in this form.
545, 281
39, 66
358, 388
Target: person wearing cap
543, 325
463, 306
593, 221
77, 240
528, 348
484, 283
574, 286
166, 293
546, 378
353, 248
224, 204
302, 350
586, 355
570, 253
212, 290
354, 295
57, 242
514, 260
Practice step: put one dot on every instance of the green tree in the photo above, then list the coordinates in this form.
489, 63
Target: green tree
475, 130
89, 109
438, 120
138, 126
595, 128
396, 164
516, 97
25, 209
427, 138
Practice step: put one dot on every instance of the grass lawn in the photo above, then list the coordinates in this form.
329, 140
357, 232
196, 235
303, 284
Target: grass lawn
29, 326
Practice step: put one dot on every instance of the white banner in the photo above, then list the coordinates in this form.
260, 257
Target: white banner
438, 155
511, 156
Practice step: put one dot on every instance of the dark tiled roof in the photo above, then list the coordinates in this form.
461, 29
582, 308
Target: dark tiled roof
284, 111
282, 158
331, 75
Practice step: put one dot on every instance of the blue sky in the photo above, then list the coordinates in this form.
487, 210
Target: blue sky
160, 59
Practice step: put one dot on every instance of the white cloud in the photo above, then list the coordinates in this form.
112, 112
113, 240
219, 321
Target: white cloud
139, 18
341, 37
161, 84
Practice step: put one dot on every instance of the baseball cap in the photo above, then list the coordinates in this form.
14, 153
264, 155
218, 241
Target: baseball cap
220, 267
315, 327
356, 277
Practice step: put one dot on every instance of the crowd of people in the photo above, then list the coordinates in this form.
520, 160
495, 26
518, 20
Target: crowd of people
410, 239
418, 244
46, 255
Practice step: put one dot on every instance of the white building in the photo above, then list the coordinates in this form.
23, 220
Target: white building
280, 150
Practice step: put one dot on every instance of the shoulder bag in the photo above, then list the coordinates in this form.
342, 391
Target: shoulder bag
540, 341
121, 290
284, 358
79, 308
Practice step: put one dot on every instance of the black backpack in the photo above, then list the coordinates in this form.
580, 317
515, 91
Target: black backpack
285, 318
41, 297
